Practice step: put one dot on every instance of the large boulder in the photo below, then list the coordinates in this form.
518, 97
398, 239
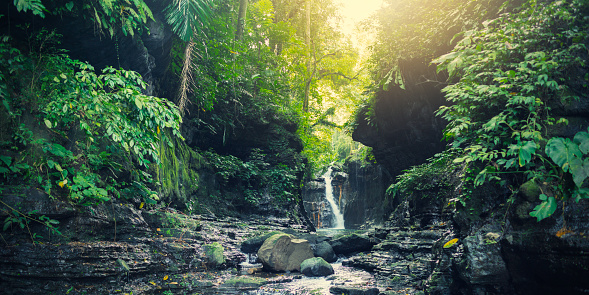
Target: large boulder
316, 267
253, 244
325, 251
351, 243
282, 252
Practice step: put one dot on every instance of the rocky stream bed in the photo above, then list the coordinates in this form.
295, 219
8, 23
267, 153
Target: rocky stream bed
119, 248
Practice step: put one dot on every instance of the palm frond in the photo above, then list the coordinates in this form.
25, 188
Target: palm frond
188, 16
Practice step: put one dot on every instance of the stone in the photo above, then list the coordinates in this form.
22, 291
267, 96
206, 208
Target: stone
253, 244
214, 257
530, 190
316, 267
245, 282
325, 251
282, 252
342, 290
483, 263
351, 243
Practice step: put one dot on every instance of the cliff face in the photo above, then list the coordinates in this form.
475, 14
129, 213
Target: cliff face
359, 193
404, 131
363, 189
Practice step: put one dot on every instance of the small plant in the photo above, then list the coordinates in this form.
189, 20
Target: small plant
18, 219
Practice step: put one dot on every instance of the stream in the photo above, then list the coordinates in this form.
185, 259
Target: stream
295, 283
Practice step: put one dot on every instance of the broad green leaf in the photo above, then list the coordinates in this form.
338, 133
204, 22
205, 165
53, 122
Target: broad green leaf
7, 160
562, 152
525, 152
69, 5
580, 170
48, 124
545, 209
582, 140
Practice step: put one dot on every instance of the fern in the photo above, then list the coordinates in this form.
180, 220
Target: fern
34, 6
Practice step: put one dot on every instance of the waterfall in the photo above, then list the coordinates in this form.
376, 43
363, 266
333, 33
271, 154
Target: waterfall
339, 217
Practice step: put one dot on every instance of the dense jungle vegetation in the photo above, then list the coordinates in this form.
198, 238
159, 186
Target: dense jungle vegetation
93, 135
516, 70
253, 85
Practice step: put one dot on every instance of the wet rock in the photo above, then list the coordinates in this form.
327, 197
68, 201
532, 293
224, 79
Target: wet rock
482, 263
316, 267
340, 290
351, 243
252, 245
245, 282
282, 252
214, 257
325, 251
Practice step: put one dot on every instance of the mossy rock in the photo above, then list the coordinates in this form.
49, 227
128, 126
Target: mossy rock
252, 245
530, 190
316, 267
214, 257
245, 282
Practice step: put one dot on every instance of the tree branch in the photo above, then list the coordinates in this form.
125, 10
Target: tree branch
339, 74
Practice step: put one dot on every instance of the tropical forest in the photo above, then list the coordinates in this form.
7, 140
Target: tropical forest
285, 147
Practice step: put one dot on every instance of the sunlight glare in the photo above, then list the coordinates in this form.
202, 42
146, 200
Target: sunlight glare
355, 11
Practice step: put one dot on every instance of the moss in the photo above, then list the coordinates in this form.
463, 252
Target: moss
530, 190
244, 282
214, 255
177, 171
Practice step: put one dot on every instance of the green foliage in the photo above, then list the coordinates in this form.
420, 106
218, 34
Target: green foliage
127, 16
432, 176
545, 209
255, 176
16, 218
571, 157
419, 30
510, 72
187, 17
97, 123
35, 6
108, 108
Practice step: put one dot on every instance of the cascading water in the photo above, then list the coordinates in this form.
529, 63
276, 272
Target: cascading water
339, 217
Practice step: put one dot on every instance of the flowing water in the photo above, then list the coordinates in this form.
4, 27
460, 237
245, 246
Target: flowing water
343, 275
339, 217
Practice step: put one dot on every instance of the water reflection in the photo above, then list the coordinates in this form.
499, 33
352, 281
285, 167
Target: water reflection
343, 276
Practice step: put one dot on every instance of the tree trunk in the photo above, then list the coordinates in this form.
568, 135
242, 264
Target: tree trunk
308, 43
241, 19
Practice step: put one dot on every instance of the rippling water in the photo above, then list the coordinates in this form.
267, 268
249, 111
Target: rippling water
343, 275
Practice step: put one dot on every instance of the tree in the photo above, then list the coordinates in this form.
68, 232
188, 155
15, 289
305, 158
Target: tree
241, 19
